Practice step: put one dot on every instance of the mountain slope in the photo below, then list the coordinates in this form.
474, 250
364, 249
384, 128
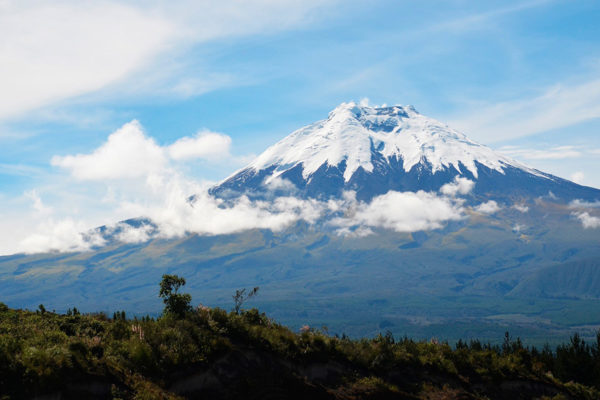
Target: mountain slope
455, 282
373, 150
356, 265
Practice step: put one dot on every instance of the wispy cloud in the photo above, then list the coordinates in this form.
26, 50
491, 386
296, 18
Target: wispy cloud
577, 176
482, 19
21, 170
38, 204
63, 235
558, 106
577, 163
584, 204
552, 153
53, 52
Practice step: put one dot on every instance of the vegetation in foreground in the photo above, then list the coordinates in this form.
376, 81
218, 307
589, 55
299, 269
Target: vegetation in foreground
211, 353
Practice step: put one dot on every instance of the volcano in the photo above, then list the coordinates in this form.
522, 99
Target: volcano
516, 248
373, 150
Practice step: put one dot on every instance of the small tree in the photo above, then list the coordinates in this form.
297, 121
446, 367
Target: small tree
175, 303
241, 296
119, 315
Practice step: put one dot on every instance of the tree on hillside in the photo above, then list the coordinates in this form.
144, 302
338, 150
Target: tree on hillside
241, 296
176, 303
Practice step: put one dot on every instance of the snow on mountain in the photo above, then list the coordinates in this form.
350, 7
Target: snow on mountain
372, 150
352, 132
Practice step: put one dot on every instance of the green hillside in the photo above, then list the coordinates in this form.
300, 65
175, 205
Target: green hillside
474, 278
201, 352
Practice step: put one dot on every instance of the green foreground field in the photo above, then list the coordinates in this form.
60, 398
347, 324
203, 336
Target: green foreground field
210, 353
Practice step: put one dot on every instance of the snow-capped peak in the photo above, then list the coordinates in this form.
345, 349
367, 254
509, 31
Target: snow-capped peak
352, 133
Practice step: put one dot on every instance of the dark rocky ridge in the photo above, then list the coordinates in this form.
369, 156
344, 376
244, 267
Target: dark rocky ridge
327, 181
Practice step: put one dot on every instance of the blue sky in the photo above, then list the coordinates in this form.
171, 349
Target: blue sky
522, 77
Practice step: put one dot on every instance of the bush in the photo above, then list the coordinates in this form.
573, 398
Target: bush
40, 354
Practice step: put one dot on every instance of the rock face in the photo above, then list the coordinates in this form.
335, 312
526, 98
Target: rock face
374, 150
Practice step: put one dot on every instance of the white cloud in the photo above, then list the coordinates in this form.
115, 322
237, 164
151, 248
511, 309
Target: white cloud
588, 221
173, 215
128, 153
400, 211
204, 144
130, 175
365, 102
209, 215
489, 207
517, 228
59, 235
521, 207
133, 234
54, 51
577, 203
577, 177
38, 204
556, 107
278, 183
355, 232
460, 185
